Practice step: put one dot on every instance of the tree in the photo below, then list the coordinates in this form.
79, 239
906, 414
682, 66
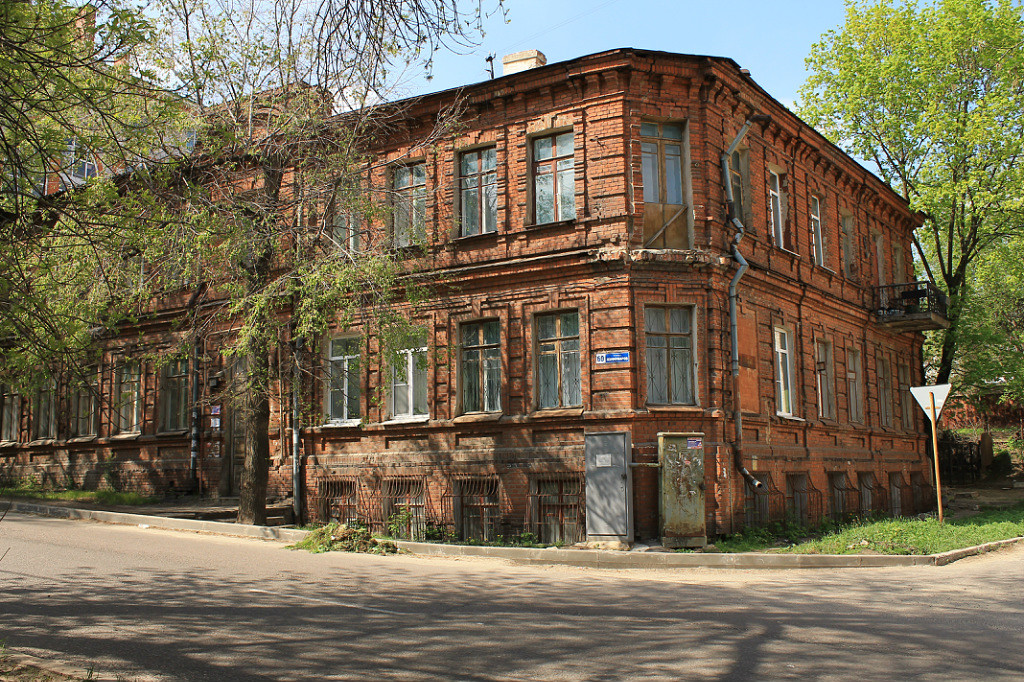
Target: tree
286, 99
933, 95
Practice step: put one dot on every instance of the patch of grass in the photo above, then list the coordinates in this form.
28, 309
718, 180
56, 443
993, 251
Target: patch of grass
336, 537
885, 536
108, 497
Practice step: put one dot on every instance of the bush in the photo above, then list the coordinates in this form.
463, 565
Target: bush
336, 537
1001, 465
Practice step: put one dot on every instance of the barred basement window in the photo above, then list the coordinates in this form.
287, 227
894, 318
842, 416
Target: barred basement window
478, 510
669, 339
866, 486
554, 178
558, 510
410, 206
479, 191
343, 380
798, 497
174, 402
128, 408
481, 367
404, 509
558, 361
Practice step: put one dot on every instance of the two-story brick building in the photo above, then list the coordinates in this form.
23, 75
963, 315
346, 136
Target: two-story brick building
578, 222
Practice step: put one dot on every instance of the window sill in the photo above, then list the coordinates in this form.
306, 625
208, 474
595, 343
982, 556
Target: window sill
470, 238
556, 412
825, 268
557, 223
9, 443
473, 417
172, 434
790, 417
127, 435
341, 424
690, 409
41, 441
397, 421
82, 439
783, 249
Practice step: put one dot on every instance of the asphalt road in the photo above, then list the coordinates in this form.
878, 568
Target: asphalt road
149, 604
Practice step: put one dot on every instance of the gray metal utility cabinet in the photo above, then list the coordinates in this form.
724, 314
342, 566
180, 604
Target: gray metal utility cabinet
681, 456
609, 486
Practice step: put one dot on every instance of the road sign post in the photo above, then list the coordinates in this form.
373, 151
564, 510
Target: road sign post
931, 399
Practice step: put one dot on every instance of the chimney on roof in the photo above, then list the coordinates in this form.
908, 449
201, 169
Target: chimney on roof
521, 61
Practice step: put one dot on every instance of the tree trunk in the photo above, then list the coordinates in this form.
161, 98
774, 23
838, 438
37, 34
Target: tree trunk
252, 502
949, 337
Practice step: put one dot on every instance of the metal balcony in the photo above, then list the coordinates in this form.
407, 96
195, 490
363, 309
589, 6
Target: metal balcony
914, 306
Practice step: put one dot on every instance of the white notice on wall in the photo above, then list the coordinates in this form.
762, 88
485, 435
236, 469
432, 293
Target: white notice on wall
603, 461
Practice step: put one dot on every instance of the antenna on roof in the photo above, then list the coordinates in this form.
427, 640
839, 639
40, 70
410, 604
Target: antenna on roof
490, 64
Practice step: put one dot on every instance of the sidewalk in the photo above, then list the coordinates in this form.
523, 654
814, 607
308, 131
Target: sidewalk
590, 558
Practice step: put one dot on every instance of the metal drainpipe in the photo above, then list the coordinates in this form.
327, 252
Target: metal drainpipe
731, 219
193, 463
296, 437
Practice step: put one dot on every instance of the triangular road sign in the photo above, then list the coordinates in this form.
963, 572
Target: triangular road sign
921, 394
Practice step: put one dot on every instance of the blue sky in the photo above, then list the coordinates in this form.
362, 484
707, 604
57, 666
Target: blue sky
771, 39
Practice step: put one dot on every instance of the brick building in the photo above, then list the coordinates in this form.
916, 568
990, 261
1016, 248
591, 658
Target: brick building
579, 221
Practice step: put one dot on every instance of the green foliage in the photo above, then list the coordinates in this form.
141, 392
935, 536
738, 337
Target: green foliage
1001, 465
335, 537
929, 92
884, 536
34, 490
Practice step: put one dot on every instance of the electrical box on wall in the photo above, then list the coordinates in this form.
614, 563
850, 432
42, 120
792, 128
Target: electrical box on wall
681, 456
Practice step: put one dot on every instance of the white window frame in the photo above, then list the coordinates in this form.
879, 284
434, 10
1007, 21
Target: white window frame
784, 384
409, 220
777, 209
478, 188
342, 363
818, 233
410, 358
345, 231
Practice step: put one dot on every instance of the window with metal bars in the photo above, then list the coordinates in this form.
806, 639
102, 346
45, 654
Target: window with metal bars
798, 500
481, 366
554, 178
404, 508
478, 508
559, 510
558, 360
478, 191
668, 334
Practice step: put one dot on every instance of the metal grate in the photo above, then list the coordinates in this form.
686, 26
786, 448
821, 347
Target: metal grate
765, 505
557, 508
336, 498
843, 498
922, 493
471, 506
803, 500
901, 495
872, 496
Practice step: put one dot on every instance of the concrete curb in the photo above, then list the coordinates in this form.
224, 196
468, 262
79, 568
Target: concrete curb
164, 522
588, 558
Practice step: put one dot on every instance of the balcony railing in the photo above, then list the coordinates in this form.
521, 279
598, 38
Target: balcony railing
913, 306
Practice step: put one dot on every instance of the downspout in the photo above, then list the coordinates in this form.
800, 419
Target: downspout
193, 462
296, 436
733, 221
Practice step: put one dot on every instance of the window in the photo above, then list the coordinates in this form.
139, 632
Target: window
559, 508
554, 179
896, 485
404, 509
838, 490
128, 410
798, 498
884, 392
854, 381
757, 503
818, 233
345, 232
478, 191
739, 177
174, 401
823, 369
668, 333
849, 247
10, 415
879, 241
777, 211
44, 416
906, 399
558, 360
866, 486
478, 509
783, 371
83, 163
481, 367
84, 419
899, 264
665, 225
343, 380
409, 384
410, 186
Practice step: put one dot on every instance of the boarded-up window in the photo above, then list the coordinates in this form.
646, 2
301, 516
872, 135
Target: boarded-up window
665, 224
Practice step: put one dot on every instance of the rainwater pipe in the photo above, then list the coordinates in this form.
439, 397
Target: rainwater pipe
296, 436
194, 414
733, 221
